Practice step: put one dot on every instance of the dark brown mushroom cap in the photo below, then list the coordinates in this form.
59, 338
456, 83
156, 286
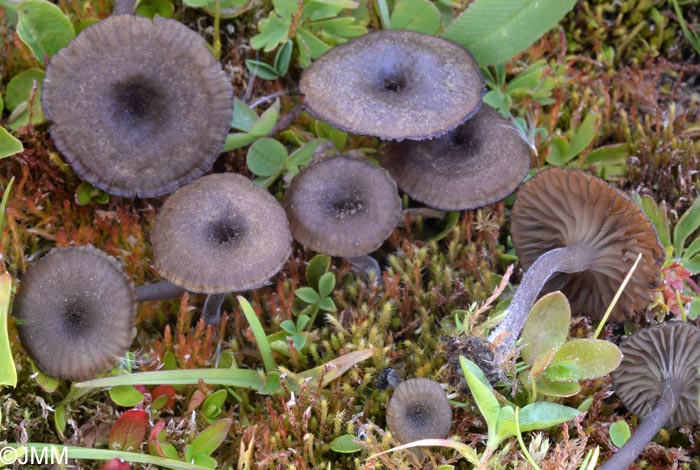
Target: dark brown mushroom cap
419, 409
221, 234
559, 208
669, 351
139, 107
395, 85
480, 162
342, 206
75, 312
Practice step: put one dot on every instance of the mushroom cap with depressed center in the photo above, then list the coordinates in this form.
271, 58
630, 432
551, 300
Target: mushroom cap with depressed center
139, 107
669, 351
75, 312
342, 206
478, 163
394, 85
221, 234
419, 409
560, 208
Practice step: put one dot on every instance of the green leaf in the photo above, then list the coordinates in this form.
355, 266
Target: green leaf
583, 359
152, 8
43, 28
482, 392
619, 433
262, 70
243, 116
496, 30
9, 145
345, 444
686, 225
259, 334
313, 45
19, 92
196, 3
450, 223
299, 341
317, 267
288, 326
267, 120
214, 402
266, 157
543, 415
343, 27
2, 105
327, 305
212, 437
303, 155
326, 284
125, 395
273, 32
307, 294
559, 151
238, 140
285, 8
547, 326
416, 15
283, 57
584, 135
8, 373
557, 389
659, 217
349, 4
326, 131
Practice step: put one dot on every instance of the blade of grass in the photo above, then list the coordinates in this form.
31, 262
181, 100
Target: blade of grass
259, 333
617, 297
8, 372
244, 378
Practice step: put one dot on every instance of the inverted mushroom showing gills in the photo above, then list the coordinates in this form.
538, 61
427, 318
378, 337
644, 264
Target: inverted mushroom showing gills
419, 409
657, 380
139, 107
221, 234
578, 234
480, 162
75, 312
342, 206
395, 85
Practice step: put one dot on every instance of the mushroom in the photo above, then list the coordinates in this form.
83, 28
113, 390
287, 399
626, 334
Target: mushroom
658, 380
582, 235
75, 312
342, 206
478, 163
395, 85
419, 409
220, 234
139, 107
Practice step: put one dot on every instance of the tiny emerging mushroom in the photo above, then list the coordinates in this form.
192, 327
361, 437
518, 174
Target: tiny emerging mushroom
576, 233
395, 85
342, 206
478, 163
75, 312
658, 380
139, 107
220, 234
419, 409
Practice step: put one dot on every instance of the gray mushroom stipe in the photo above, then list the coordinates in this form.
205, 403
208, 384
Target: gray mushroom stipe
480, 162
582, 235
221, 234
134, 130
160, 290
657, 380
342, 206
419, 409
75, 312
395, 85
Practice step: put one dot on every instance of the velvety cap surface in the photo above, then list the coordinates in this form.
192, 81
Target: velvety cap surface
342, 206
221, 234
395, 85
560, 208
480, 162
419, 409
75, 312
139, 107
670, 351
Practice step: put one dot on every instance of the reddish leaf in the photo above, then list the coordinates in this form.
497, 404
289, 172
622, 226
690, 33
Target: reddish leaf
164, 391
155, 430
116, 464
196, 401
129, 431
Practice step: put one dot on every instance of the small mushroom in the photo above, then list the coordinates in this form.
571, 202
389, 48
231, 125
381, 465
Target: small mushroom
582, 235
419, 409
657, 380
480, 162
139, 107
75, 312
395, 85
342, 206
220, 234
